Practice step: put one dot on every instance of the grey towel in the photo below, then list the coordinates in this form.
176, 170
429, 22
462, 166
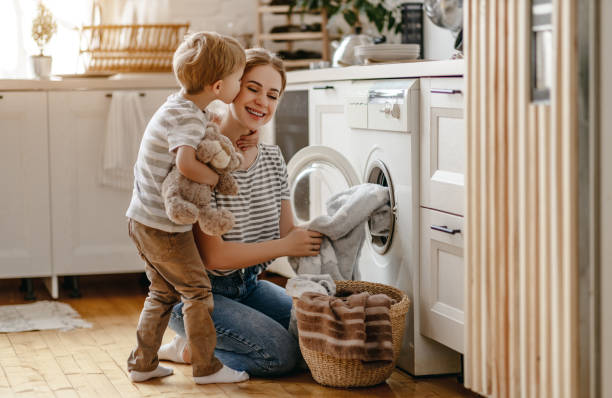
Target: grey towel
344, 231
301, 284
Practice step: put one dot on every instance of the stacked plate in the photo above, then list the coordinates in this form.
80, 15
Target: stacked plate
387, 52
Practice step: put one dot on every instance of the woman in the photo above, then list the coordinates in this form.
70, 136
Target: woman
251, 316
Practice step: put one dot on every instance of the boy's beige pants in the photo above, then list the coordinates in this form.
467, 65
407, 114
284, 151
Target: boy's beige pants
176, 272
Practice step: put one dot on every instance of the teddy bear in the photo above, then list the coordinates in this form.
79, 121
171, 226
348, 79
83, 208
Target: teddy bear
188, 201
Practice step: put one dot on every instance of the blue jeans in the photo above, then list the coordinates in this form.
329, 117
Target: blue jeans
251, 317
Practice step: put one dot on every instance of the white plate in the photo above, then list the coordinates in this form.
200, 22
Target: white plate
391, 46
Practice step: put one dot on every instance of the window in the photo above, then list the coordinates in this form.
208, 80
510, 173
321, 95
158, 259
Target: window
16, 25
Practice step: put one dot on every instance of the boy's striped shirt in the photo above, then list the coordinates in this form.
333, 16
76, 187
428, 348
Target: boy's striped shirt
176, 123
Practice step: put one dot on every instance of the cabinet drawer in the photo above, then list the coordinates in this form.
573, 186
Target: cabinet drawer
443, 145
447, 92
441, 285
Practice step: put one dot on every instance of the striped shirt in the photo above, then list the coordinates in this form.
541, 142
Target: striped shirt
257, 207
176, 123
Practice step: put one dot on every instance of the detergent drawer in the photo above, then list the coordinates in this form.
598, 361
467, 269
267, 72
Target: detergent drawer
394, 106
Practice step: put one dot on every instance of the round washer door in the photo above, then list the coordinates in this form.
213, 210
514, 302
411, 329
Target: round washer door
315, 174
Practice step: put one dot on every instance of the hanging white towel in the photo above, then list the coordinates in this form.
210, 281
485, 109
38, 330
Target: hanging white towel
124, 129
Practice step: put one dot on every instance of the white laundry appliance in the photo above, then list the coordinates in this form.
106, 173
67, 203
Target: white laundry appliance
371, 134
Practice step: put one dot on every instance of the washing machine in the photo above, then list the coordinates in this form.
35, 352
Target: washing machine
379, 144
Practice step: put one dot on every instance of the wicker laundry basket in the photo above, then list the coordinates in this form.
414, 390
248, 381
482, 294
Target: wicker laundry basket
130, 48
334, 372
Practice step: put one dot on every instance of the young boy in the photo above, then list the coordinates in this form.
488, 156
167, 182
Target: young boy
208, 66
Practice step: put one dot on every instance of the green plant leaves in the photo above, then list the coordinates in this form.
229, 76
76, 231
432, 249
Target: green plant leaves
375, 11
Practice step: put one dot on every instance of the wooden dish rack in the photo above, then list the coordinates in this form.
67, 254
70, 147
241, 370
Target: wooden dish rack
130, 48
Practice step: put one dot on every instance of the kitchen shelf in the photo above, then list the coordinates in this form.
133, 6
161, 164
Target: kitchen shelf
292, 36
261, 35
283, 10
298, 63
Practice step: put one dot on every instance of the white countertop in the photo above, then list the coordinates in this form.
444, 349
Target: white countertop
117, 82
166, 80
453, 67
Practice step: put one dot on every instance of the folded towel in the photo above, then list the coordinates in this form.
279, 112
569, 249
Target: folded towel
344, 231
301, 284
124, 129
353, 327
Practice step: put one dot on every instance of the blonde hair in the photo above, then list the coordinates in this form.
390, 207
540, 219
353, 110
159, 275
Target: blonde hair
204, 58
261, 56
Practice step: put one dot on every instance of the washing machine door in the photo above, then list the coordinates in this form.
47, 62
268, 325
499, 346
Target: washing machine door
315, 174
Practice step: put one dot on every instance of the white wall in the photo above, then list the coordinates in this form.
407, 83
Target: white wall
236, 17
606, 195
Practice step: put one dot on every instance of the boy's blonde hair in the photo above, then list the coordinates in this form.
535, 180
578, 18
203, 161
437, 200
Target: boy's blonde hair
261, 56
204, 58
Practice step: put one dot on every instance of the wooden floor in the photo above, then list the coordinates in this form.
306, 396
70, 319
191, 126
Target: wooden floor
91, 362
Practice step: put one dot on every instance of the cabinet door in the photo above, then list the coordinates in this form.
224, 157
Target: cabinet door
89, 225
443, 145
327, 119
25, 240
442, 278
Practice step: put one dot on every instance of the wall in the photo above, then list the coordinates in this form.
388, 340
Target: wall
236, 17
606, 195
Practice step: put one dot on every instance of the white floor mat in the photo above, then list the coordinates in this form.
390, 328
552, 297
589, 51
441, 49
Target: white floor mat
42, 315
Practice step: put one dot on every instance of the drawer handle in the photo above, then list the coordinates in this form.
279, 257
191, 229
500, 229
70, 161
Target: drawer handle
1, 96
445, 229
445, 91
323, 87
109, 95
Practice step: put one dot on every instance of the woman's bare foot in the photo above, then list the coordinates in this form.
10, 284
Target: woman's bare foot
176, 351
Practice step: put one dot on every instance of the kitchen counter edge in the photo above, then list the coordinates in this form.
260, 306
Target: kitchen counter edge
92, 83
454, 67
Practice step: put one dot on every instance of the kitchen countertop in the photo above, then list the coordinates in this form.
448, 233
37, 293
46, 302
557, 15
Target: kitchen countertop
116, 82
453, 67
166, 80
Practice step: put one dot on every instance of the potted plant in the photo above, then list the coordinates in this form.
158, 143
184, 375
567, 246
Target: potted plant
43, 28
383, 14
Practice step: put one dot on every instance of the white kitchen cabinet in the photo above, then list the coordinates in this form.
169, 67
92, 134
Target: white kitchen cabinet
443, 161
442, 278
25, 240
443, 148
327, 122
89, 227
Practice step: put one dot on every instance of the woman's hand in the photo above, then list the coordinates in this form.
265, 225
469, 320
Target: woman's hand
301, 242
246, 141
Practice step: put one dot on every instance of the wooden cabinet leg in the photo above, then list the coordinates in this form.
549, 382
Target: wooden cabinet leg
71, 282
27, 287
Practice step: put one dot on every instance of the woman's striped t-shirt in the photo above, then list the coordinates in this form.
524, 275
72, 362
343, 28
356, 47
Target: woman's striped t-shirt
257, 207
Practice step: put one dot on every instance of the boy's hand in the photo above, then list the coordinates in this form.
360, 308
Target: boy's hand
248, 140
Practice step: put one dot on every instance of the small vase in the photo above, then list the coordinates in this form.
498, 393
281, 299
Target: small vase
41, 65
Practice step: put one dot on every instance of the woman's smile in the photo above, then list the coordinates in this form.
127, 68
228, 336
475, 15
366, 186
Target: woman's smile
258, 115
